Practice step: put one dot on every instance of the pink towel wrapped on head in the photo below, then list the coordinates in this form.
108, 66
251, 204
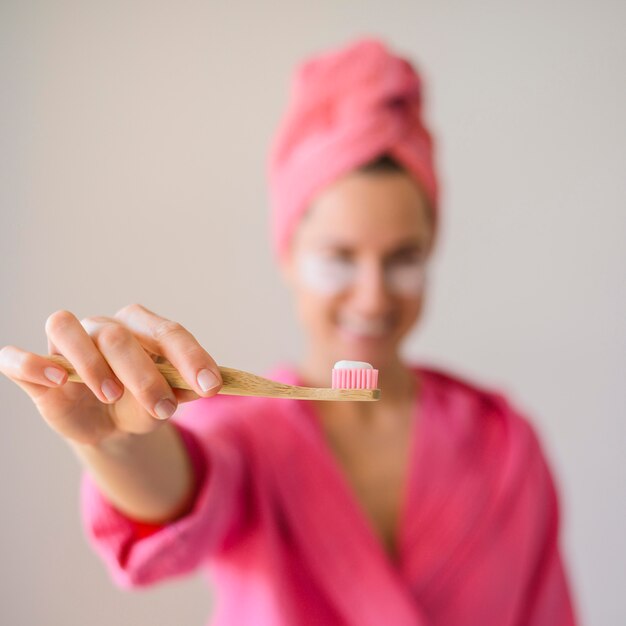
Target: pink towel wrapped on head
347, 108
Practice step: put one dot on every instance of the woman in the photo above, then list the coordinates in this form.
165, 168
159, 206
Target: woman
433, 506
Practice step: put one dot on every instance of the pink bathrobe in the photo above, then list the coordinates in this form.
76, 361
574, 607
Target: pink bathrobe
287, 543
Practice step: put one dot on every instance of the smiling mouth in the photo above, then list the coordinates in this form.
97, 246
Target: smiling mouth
360, 328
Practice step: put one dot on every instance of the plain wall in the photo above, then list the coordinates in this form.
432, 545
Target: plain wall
133, 141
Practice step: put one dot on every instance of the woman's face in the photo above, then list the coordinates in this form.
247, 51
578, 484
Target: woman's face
357, 266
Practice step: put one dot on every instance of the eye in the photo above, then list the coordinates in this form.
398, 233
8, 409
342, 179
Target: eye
339, 255
406, 257
337, 265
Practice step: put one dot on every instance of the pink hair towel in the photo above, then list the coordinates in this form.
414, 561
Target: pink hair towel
347, 107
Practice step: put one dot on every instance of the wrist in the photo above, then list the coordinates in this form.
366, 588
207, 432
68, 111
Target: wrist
117, 444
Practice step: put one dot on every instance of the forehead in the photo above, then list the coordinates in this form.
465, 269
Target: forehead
375, 210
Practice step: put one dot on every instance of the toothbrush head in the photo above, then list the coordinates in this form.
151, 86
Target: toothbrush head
354, 375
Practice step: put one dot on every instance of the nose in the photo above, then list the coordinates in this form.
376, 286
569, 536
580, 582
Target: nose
370, 295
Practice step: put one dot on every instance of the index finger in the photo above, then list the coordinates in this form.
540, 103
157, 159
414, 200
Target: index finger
170, 339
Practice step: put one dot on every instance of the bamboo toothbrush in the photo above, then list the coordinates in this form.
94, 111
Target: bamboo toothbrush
352, 380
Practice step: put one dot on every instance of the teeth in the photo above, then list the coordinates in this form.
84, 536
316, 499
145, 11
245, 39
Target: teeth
367, 328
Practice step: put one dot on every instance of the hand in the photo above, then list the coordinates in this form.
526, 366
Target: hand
124, 392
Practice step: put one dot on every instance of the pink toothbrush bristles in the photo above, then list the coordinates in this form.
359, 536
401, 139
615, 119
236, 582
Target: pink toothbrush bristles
357, 378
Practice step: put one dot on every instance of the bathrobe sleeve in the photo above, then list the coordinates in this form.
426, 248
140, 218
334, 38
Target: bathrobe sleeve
138, 554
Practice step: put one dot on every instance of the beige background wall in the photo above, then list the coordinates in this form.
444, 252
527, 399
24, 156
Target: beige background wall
132, 152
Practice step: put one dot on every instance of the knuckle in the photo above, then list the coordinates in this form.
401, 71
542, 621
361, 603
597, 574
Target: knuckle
114, 336
26, 362
59, 321
129, 308
93, 363
194, 352
95, 319
150, 388
166, 329
92, 323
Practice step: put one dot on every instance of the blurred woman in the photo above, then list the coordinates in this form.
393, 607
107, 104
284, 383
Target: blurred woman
433, 506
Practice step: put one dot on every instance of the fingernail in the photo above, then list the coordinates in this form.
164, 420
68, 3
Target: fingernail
165, 408
54, 375
111, 390
207, 380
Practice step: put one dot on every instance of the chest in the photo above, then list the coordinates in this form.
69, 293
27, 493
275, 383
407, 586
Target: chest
374, 457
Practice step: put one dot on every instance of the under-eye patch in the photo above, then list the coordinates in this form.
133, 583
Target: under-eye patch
330, 274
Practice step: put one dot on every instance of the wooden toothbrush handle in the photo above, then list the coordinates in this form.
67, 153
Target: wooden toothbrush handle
170, 373
235, 381
240, 383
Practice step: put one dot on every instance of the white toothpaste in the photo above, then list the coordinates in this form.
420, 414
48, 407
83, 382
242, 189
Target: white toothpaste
352, 365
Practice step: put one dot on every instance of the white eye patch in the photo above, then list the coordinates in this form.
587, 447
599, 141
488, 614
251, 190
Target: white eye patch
405, 278
331, 275
325, 274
